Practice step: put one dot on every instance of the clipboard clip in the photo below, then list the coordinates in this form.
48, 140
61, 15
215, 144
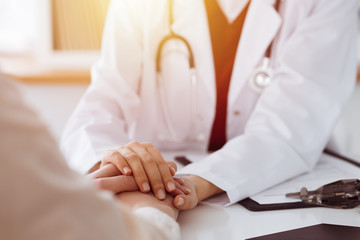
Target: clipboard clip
341, 194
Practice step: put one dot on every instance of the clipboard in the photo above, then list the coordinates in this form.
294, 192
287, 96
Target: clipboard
253, 205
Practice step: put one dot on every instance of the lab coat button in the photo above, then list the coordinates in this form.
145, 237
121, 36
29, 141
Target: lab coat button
201, 137
237, 113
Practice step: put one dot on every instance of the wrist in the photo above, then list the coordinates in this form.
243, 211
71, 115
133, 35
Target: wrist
162, 221
204, 189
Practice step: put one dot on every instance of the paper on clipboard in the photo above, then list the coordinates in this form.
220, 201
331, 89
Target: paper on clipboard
329, 169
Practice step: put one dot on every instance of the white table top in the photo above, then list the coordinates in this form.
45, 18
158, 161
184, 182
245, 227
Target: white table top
207, 222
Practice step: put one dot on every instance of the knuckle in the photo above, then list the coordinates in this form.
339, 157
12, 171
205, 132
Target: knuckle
108, 153
114, 157
133, 143
121, 148
110, 156
148, 145
114, 154
130, 156
163, 167
138, 171
147, 159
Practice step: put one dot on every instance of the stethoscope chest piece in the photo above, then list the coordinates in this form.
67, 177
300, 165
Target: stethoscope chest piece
261, 77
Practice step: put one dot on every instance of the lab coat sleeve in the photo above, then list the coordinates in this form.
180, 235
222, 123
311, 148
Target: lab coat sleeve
41, 198
315, 70
100, 121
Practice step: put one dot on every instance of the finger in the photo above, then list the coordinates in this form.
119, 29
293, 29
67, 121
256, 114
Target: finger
117, 184
137, 168
108, 170
163, 167
179, 180
114, 157
151, 169
185, 202
172, 167
182, 188
176, 192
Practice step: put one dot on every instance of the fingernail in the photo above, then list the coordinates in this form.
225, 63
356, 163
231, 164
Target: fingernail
161, 194
180, 202
188, 190
173, 171
171, 186
146, 186
126, 170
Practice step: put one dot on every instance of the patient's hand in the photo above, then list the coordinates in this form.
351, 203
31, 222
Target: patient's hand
138, 200
111, 179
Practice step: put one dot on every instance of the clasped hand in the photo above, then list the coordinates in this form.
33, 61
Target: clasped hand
140, 166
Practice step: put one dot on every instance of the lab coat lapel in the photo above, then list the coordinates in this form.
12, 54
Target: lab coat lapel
190, 21
260, 27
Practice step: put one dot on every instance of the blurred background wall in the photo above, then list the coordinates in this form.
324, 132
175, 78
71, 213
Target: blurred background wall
51, 40
78, 24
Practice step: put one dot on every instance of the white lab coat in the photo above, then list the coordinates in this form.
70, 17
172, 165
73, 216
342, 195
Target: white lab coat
273, 136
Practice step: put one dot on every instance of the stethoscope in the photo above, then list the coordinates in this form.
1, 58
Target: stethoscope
160, 80
259, 80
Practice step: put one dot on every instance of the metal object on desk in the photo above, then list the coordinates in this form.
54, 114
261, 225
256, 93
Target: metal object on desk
340, 194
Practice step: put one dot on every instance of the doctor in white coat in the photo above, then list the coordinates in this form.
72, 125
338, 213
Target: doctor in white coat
272, 134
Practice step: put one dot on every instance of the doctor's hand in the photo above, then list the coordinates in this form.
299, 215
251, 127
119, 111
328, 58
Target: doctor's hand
110, 178
200, 189
146, 164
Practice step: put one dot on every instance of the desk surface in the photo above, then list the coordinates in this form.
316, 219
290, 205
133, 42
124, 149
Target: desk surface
207, 222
